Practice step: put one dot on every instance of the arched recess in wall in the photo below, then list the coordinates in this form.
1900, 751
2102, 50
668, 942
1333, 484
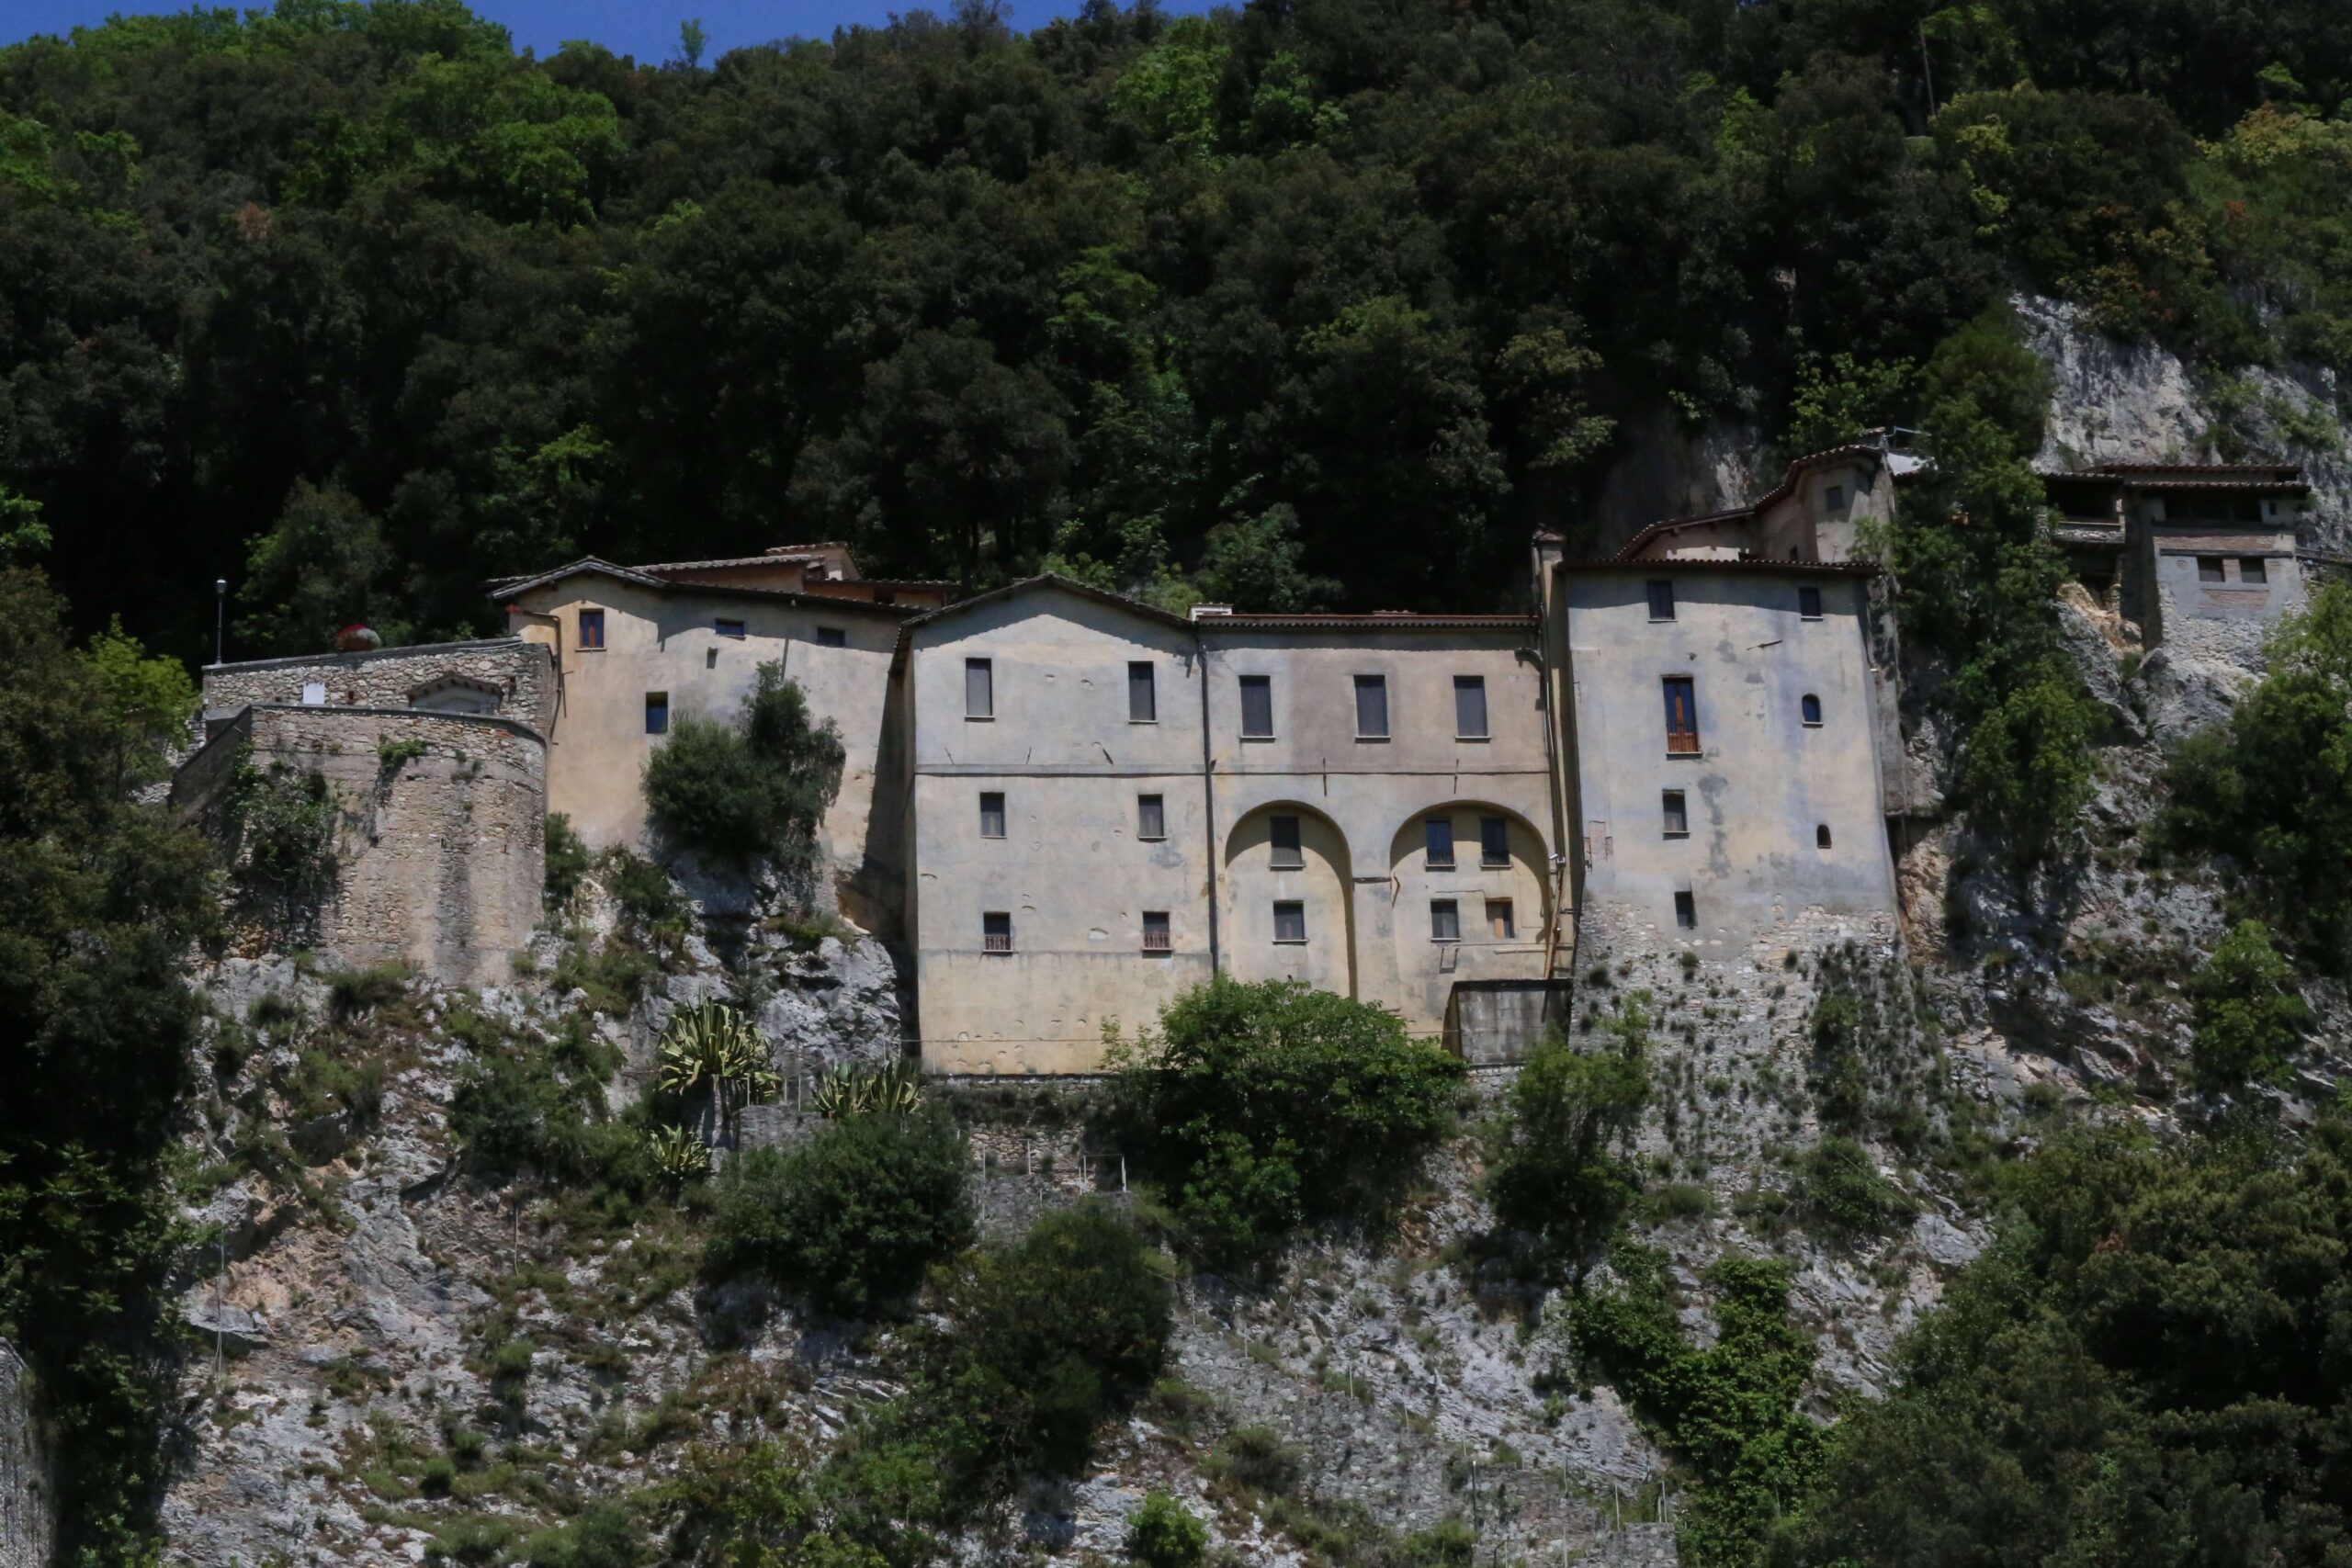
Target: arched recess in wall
1502, 902
1262, 885
455, 693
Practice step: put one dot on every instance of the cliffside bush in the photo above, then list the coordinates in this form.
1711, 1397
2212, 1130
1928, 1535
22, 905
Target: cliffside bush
852, 1219
2272, 788
2147, 1366
1164, 1534
1559, 1172
527, 1107
753, 792
1260, 1108
2250, 1018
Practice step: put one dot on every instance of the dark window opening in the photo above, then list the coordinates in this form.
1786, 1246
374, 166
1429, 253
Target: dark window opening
728, 628
1494, 842
1470, 707
1686, 911
656, 713
591, 628
1372, 707
1155, 931
996, 932
832, 637
1661, 600
1143, 694
1499, 923
1677, 814
2209, 570
1821, 837
1257, 707
1809, 603
1809, 706
1445, 921
980, 689
1439, 836
1681, 717
2252, 568
1284, 833
991, 815
1290, 922
1151, 816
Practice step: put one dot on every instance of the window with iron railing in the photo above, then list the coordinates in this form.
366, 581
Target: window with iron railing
1155, 931
996, 932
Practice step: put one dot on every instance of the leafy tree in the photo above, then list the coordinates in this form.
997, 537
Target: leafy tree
152, 702
1264, 1106
316, 571
754, 792
852, 1219
2250, 1018
1557, 1172
1164, 1534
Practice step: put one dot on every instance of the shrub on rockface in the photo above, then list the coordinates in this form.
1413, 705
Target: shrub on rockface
2250, 1018
852, 1219
1556, 1173
1261, 1108
755, 791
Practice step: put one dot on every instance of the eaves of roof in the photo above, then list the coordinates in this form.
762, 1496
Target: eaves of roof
1692, 564
590, 565
1782, 491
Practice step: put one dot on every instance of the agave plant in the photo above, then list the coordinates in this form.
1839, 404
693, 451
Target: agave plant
852, 1092
717, 1047
680, 1154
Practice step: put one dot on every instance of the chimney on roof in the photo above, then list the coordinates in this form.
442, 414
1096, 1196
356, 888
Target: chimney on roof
1203, 612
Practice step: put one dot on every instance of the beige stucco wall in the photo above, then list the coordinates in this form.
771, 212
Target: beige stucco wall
1071, 871
1763, 781
441, 859
666, 641
1361, 804
390, 677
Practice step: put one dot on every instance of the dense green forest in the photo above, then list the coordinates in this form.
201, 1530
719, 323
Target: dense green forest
356, 306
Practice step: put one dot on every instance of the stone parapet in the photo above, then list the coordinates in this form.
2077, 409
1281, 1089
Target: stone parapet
518, 675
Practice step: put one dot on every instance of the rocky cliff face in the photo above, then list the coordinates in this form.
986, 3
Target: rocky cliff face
27, 1524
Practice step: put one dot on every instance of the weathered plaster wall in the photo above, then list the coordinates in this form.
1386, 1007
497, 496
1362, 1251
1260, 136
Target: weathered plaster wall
519, 672
442, 856
1071, 870
1763, 783
668, 642
2225, 620
27, 1524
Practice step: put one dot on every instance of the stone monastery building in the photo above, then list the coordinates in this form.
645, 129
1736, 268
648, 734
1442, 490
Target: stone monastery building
1064, 807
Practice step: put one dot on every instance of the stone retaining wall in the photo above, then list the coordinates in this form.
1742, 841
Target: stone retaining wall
519, 672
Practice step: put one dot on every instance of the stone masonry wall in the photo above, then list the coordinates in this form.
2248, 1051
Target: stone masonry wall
442, 859
26, 1525
519, 671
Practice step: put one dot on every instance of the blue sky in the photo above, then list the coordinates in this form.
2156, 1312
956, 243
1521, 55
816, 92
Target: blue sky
646, 28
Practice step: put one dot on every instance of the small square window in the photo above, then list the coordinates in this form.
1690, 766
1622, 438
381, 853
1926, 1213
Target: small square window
2252, 568
991, 815
2209, 570
996, 932
1151, 816
832, 637
1809, 603
1155, 932
1661, 599
979, 688
728, 628
656, 713
1686, 911
1676, 814
1290, 922
1143, 694
1283, 831
1470, 707
1372, 707
1494, 842
1445, 921
591, 628
1439, 836
1499, 923
1257, 707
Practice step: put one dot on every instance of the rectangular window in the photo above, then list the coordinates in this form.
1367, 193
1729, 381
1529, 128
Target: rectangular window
980, 689
1440, 840
1681, 717
1155, 931
1372, 707
1686, 911
1284, 831
656, 713
728, 628
1835, 498
991, 815
832, 637
1500, 924
1290, 922
1494, 842
2252, 569
1661, 599
1151, 816
591, 628
996, 932
1470, 707
1677, 816
2208, 568
1143, 695
1445, 921
1809, 603
1257, 707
